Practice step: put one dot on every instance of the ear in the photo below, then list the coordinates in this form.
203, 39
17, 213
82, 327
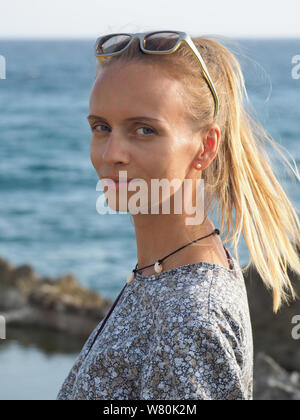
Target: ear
209, 147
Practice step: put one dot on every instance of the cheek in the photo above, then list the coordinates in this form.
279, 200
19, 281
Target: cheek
178, 159
95, 154
164, 161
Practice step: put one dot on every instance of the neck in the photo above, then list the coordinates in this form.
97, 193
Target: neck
159, 235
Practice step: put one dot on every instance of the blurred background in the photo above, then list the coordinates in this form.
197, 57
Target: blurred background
48, 217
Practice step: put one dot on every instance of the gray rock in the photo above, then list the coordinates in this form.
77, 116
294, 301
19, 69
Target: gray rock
272, 334
271, 382
56, 303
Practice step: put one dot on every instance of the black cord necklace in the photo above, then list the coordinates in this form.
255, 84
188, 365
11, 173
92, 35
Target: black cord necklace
158, 265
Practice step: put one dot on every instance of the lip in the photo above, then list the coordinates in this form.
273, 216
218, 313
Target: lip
114, 183
116, 179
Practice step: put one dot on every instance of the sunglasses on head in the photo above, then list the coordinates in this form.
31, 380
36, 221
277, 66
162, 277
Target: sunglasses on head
158, 42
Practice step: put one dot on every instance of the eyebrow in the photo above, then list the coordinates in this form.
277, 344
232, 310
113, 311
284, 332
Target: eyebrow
97, 117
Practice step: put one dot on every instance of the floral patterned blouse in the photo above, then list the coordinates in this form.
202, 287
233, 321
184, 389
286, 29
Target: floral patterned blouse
184, 333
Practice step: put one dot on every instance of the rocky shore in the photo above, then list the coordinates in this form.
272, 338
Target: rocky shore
62, 304
277, 352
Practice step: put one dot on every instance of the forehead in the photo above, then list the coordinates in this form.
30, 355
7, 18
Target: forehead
134, 88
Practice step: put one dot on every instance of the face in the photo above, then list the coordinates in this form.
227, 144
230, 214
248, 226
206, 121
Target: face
162, 148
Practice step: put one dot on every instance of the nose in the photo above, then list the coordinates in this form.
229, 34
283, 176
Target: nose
115, 150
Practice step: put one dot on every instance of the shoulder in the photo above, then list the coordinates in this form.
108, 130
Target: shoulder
183, 296
203, 297
198, 290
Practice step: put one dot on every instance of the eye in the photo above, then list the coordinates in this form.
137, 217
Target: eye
147, 128
94, 128
98, 125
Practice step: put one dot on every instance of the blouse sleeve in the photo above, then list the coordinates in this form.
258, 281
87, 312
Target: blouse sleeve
199, 362
65, 391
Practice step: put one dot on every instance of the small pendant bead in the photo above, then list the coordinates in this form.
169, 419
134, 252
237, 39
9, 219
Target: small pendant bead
130, 278
158, 267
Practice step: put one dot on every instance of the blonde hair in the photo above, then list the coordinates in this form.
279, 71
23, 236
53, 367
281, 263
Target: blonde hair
241, 177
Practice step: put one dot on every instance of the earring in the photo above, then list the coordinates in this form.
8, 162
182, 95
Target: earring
198, 165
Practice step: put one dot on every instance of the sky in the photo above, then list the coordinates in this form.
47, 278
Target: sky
86, 19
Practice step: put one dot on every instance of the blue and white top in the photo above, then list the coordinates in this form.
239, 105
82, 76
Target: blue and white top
184, 333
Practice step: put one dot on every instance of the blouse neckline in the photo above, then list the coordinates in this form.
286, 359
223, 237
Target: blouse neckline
186, 267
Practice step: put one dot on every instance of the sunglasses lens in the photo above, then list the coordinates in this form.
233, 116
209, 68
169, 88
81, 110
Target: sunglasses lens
161, 41
111, 44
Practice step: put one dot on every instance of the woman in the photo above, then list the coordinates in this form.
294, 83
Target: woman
180, 328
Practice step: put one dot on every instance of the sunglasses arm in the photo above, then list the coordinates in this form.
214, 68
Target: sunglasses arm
100, 59
196, 53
